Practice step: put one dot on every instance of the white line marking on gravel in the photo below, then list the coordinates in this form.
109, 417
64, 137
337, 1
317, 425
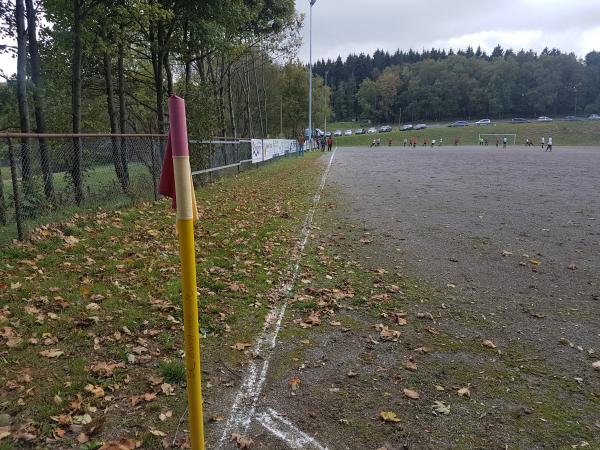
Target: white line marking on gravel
244, 404
282, 428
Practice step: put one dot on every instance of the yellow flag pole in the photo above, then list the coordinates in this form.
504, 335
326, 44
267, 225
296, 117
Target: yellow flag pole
186, 216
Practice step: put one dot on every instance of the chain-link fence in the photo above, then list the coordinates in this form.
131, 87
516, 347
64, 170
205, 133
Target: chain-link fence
46, 178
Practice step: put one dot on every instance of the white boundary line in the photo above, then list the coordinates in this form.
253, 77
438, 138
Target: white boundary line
244, 404
286, 431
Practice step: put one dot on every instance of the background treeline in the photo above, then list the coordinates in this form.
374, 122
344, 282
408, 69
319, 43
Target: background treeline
109, 65
470, 84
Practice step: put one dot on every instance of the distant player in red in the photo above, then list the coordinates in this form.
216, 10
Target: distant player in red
497, 142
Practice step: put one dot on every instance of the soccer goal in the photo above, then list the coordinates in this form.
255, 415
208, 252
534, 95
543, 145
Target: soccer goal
492, 137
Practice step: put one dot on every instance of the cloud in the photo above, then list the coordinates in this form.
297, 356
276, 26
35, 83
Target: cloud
354, 26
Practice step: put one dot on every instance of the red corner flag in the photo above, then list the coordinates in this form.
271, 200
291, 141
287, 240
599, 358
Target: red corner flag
166, 185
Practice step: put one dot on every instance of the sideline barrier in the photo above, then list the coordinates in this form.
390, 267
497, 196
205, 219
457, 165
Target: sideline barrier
266, 149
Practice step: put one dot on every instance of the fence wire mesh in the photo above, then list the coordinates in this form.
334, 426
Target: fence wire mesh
46, 178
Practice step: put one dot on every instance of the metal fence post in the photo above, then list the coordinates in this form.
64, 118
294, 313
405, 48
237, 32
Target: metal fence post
15, 186
2, 203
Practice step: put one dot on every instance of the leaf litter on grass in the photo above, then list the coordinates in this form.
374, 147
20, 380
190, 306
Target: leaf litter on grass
102, 290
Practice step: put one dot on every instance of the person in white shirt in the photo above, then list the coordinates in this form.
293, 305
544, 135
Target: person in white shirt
543, 142
549, 146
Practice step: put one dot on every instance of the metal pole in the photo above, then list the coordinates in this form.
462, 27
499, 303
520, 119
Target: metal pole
326, 73
310, 129
15, 186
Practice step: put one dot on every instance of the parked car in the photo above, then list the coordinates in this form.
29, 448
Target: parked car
519, 120
483, 122
337, 133
385, 129
372, 130
316, 133
571, 118
328, 134
420, 126
544, 119
594, 117
360, 131
406, 127
348, 133
459, 123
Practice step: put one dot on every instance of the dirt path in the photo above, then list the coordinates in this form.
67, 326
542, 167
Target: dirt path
466, 277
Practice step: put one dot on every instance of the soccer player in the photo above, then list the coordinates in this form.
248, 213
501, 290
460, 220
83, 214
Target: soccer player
405, 142
497, 142
329, 143
374, 143
504, 142
549, 146
543, 142
432, 143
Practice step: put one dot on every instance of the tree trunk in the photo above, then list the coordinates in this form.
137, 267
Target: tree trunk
122, 111
170, 89
76, 170
222, 121
22, 89
112, 119
39, 99
230, 100
246, 89
260, 114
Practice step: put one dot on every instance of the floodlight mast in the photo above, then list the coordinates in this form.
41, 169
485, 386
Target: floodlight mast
310, 127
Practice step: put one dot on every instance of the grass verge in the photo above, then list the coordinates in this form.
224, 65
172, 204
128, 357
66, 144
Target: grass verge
91, 322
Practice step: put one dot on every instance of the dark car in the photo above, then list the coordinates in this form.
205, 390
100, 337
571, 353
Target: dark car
360, 131
519, 120
385, 129
459, 123
571, 118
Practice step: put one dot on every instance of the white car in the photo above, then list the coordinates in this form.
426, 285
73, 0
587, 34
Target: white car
544, 119
594, 117
483, 122
372, 130
348, 133
337, 133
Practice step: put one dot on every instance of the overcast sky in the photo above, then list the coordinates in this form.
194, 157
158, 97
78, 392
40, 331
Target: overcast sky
354, 26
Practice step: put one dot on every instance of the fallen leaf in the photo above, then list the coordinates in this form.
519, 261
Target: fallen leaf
164, 416
535, 262
241, 346
158, 433
4, 432
217, 418
414, 395
241, 441
423, 350
82, 438
596, 365
439, 388
388, 416
167, 389
464, 392
572, 267
440, 407
386, 334
105, 369
123, 444
410, 365
54, 353
489, 344
97, 391
335, 323
295, 383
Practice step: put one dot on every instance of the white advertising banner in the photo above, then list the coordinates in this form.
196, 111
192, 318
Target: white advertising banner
266, 149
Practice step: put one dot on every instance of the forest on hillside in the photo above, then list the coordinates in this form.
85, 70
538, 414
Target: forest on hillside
469, 84
109, 66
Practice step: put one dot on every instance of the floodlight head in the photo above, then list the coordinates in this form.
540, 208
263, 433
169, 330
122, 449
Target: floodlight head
312, 2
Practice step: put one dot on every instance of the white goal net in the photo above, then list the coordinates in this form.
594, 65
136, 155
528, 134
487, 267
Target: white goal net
496, 138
